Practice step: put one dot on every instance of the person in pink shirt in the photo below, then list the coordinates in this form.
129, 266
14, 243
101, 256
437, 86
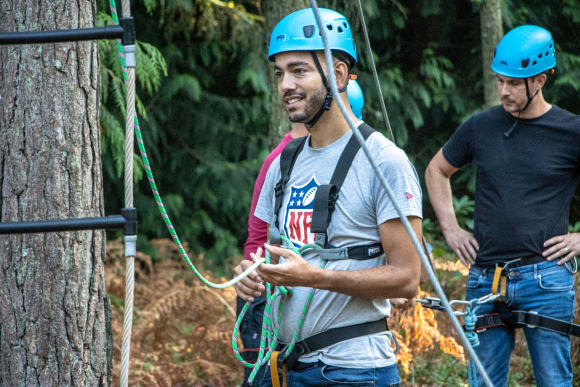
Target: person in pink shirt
257, 232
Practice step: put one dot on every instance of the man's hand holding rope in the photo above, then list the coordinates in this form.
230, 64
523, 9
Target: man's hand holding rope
252, 285
564, 247
294, 271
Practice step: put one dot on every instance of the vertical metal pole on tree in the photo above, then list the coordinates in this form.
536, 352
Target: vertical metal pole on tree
130, 240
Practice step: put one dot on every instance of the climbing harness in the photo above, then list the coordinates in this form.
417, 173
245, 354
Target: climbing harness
284, 356
503, 314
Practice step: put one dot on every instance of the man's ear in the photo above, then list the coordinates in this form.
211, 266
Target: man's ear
341, 74
541, 79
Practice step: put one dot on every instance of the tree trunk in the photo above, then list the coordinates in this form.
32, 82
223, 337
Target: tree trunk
274, 11
491, 33
54, 311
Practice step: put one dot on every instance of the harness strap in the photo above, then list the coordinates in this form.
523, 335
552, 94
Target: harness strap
287, 160
327, 195
521, 318
361, 252
499, 284
332, 336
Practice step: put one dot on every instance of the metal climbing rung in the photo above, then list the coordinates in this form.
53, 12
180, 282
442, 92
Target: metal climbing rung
128, 221
125, 31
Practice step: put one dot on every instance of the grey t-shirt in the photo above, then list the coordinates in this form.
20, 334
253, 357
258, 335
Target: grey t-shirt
362, 205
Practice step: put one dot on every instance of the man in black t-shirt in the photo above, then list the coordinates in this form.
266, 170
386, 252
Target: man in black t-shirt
527, 155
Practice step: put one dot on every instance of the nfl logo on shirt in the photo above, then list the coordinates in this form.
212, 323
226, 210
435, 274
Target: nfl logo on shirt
299, 209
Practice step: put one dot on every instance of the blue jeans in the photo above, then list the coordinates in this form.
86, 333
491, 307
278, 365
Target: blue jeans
321, 374
545, 288
251, 333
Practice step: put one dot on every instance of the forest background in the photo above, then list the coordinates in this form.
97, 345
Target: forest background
204, 102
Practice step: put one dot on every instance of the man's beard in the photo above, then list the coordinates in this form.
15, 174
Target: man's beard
311, 106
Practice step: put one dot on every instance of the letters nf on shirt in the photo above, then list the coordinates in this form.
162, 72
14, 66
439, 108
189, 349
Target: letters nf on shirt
298, 217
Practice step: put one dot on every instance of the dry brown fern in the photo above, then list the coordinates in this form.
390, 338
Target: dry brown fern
181, 329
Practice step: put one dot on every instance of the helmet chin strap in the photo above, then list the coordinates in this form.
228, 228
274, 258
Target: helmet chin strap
528, 95
508, 132
328, 99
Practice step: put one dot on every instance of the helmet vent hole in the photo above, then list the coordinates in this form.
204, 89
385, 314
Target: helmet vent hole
547, 53
339, 29
534, 63
329, 27
539, 56
345, 25
525, 63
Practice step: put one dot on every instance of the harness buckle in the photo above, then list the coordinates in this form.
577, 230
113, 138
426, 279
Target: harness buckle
328, 101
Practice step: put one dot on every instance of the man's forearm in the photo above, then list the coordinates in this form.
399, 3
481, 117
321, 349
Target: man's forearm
376, 283
440, 196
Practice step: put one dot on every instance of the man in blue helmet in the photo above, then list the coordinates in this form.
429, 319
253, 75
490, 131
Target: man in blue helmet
342, 338
527, 154
250, 328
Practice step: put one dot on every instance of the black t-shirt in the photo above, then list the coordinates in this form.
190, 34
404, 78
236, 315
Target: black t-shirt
525, 180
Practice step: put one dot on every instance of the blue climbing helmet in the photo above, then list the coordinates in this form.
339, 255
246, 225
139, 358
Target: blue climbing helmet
299, 32
356, 98
524, 52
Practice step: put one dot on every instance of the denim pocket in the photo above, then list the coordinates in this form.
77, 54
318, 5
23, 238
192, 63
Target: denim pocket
361, 377
556, 280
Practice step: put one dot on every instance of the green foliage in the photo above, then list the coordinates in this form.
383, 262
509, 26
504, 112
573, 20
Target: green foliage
202, 81
464, 211
203, 99
446, 370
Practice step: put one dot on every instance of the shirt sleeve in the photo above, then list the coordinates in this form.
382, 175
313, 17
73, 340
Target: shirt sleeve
403, 181
265, 207
458, 150
257, 228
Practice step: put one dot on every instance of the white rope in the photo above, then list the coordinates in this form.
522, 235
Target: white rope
130, 260
385, 185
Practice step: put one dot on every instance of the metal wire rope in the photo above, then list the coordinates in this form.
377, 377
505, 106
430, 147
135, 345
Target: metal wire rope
385, 185
374, 69
132, 128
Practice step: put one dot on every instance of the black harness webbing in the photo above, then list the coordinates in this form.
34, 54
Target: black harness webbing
323, 207
330, 337
326, 195
287, 159
520, 318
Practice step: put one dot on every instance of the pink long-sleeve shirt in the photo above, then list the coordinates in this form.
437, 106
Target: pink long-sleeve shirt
257, 229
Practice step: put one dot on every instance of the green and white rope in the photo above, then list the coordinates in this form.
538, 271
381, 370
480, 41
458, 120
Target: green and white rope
157, 196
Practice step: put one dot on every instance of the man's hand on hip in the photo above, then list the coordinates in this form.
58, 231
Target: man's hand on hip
463, 244
564, 247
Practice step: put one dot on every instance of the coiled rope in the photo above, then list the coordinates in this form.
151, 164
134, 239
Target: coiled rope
270, 331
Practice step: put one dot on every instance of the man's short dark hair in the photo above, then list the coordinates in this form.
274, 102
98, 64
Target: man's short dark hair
342, 56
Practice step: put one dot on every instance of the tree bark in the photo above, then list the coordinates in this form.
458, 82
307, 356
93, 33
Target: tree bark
491, 33
274, 11
54, 312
